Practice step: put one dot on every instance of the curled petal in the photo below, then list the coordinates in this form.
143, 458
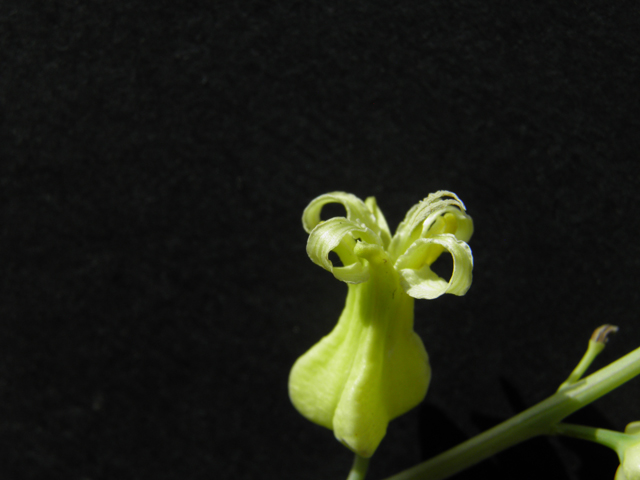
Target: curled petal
384, 232
441, 212
341, 235
357, 211
414, 267
448, 220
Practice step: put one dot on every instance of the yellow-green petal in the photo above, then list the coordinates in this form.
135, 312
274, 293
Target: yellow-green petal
421, 217
341, 236
417, 278
356, 210
384, 232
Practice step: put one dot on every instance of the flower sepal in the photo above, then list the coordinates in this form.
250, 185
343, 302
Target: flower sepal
371, 368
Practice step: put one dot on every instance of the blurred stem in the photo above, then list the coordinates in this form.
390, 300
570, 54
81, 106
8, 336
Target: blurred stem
359, 468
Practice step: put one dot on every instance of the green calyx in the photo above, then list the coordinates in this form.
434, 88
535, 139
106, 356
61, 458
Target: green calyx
373, 367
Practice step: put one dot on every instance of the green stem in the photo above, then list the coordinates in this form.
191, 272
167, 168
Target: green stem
609, 438
592, 352
359, 468
537, 420
597, 343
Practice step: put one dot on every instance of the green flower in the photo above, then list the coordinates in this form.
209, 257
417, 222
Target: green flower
373, 367
628, 450
626, 444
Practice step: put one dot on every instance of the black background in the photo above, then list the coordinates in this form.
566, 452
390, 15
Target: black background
155, 159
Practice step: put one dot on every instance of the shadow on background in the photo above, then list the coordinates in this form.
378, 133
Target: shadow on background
541, 457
